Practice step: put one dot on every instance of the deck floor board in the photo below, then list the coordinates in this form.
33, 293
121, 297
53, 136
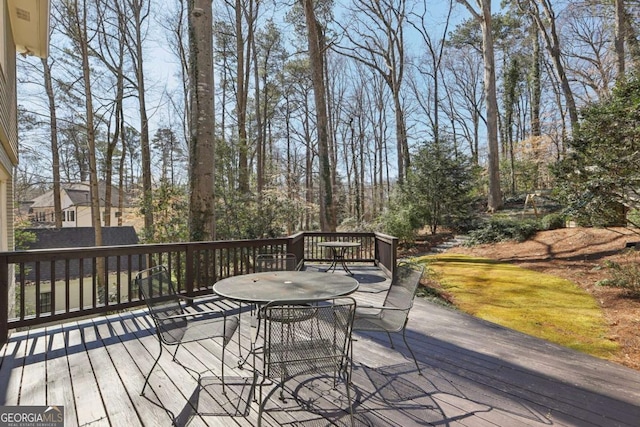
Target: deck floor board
475, 374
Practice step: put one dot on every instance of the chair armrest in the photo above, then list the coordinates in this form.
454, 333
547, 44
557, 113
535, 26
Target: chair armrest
185, 298
196, 314
379, 307
382, 307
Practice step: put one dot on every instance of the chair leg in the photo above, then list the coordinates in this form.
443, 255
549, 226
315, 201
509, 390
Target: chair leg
176, 352
404, 337
347, 383
390, 340
146, 380
261, 402
224, 348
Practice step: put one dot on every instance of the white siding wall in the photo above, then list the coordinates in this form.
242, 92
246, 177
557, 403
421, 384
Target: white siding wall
8, 139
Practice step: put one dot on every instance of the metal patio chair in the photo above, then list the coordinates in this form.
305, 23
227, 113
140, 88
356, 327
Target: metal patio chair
306, 339
272, 262
276, 262
174, 326
393, 314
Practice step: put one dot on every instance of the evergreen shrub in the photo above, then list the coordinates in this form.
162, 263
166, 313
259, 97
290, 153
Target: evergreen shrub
552, 221
499, 229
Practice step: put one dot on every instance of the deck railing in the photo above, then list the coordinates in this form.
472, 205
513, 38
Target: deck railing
57, 284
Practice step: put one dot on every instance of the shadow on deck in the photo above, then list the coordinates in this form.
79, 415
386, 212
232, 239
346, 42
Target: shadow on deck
475, 373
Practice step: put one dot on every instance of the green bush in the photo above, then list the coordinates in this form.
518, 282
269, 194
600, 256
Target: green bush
400, 223
501, 229
625, 275
23, 238
552, 221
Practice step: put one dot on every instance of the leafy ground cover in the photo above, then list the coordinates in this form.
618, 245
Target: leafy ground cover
579, 255
538, 304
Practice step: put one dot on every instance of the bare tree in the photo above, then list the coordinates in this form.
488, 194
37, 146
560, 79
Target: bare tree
245, 18
465, 95
376, 38
547, 27
138, 12
483, 16
435, 51
76, 15
53, 129
112, 37
588, 51
317, 48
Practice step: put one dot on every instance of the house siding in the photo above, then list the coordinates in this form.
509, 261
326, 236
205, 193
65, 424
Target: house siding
8, 106
8, 141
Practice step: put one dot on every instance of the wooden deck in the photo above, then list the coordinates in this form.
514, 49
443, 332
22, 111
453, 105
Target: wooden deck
475, 374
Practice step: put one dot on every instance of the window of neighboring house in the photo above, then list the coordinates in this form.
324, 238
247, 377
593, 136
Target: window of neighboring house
45, 302
72, 215
64, 216
53, 217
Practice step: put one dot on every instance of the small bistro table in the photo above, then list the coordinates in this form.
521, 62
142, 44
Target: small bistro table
338, 250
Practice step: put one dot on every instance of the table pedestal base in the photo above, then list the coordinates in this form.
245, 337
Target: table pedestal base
338, 258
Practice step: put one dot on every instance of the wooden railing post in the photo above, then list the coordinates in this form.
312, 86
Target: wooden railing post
5, 283
386, 252
189, 276
295, 245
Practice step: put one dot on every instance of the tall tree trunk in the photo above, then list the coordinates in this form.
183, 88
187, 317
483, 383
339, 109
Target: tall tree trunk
137, 9
242, 83
80, 37
620, 35
536, 86
83, 47
123, 156
631, 38
316, 52
484, 18
48, 84
260, 119
201, 144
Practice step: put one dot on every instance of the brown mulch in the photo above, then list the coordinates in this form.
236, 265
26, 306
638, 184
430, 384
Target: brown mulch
578, 254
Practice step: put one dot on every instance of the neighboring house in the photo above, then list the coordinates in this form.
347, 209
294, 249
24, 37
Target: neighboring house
75, 200
24, 28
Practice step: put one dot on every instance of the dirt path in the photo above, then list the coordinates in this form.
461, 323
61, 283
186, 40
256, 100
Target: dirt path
578, 254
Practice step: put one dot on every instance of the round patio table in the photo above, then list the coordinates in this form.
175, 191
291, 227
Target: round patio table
339, 249
261, 288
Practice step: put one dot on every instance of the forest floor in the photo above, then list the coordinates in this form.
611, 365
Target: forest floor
577, 254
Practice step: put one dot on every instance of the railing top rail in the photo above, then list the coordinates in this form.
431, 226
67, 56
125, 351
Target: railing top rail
88, 251
340, 233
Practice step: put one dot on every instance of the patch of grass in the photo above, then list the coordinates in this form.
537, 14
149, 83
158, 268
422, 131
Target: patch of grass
537, 304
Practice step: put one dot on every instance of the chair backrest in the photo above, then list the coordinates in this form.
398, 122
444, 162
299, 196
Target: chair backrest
159, 294
402, 292
276, 262
307, 338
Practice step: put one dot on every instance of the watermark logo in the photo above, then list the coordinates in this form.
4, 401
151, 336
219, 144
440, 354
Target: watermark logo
31, 416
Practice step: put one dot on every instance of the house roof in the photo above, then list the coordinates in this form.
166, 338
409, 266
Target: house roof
78, 193
30, 26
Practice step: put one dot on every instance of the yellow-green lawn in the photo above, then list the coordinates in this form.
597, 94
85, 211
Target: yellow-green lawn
537, 304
